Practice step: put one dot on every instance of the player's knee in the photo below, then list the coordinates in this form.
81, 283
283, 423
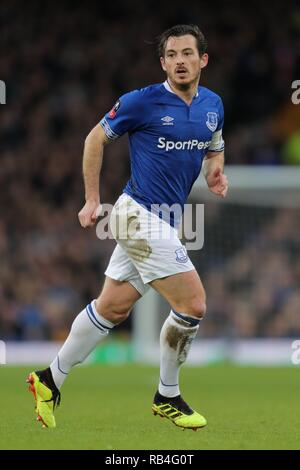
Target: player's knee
112, 310
197, 308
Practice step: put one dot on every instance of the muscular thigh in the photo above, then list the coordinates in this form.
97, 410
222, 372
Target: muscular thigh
184, 292
116, 299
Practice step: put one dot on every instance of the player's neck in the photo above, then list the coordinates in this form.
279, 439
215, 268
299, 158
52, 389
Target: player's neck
187, 93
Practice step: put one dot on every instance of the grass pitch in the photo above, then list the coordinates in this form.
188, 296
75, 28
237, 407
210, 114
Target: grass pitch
109, 408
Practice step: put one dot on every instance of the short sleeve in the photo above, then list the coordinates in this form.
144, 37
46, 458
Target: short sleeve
217, 141
127, 115
221, 115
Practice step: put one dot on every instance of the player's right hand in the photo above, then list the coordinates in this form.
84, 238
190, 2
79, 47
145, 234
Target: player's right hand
89, 213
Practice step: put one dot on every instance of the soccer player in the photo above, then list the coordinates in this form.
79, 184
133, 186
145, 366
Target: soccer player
175, 129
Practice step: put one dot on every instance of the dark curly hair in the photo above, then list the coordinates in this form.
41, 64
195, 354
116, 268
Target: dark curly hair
182, 30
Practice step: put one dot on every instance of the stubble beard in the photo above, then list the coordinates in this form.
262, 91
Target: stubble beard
185, 86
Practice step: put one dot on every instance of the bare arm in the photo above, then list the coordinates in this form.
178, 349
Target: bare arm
213, 167
212, 161
92, 163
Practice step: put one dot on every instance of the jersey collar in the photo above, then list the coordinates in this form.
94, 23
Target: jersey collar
168, 88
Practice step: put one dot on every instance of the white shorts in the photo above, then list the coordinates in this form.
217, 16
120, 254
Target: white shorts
148, 248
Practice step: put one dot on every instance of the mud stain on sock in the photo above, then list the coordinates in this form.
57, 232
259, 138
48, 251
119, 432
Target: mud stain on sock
180, 340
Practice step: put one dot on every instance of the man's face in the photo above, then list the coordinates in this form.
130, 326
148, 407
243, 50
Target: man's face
181, 61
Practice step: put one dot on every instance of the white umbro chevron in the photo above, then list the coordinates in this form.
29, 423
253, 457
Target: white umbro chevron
167, 121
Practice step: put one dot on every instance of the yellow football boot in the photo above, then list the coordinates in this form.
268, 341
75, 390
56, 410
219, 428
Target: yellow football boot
178, 411
45, 399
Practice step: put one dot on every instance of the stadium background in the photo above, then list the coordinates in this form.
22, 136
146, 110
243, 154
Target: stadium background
65, 65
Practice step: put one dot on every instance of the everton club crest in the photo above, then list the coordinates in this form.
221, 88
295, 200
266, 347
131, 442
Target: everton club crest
212, 121
181, 255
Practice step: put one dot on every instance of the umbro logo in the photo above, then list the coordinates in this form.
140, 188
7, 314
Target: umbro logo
167, 121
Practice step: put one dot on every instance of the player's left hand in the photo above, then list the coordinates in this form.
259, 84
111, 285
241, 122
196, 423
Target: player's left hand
217, 183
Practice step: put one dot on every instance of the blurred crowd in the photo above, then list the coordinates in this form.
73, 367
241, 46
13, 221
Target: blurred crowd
251, 272
65, 64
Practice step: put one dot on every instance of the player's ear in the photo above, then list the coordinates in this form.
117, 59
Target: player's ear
203, 60
162, 63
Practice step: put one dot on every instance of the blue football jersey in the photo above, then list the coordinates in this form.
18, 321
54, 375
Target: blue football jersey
168, 140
